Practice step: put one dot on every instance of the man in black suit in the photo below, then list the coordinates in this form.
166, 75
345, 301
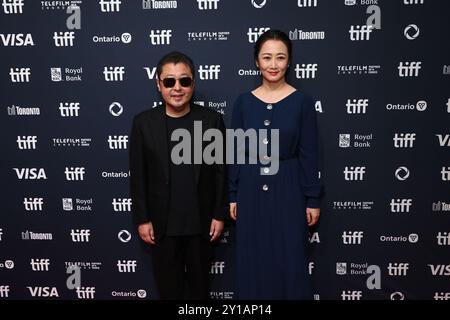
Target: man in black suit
179, 209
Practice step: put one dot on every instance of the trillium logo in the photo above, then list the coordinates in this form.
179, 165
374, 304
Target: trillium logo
259, 6
411, 32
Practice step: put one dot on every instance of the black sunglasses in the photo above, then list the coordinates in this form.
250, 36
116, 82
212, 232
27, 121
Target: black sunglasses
170, 82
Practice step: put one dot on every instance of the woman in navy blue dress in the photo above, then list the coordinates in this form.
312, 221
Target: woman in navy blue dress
273, 212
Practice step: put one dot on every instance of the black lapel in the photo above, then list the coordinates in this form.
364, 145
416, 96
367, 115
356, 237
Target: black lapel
159, 129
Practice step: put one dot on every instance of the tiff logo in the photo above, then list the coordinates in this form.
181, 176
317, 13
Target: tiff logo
117, 142
351, 295
33, 204
26, 142
209, 72
445, 174
20, 74
306, 71
400, 205
207, 4
110, 5
357, 105
413, 1
114, 73
64, 39
40, 264
409, 69
440, 269
69, 109
444, 141
358, 33
443, 238
217, 267
12, 6
74, 174
404, 140
398, 269
126, 265
160, 37
352, 237
4, 291
121, 204
80, 235
310, 267
1, 233
438, 296
354, 173
307, 3
254, 33
85, 292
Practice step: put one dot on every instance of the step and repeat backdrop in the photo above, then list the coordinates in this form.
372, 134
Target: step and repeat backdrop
74, 73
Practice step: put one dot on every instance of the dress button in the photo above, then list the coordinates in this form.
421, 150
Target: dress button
266, 170
265, 187
265, 141
269, 107
267, 123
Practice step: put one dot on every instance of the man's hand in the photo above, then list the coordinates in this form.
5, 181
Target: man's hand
233, 210
216, 229
312, 216
146, 232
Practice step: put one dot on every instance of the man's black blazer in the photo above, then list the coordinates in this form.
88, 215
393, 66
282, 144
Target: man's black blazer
150, 179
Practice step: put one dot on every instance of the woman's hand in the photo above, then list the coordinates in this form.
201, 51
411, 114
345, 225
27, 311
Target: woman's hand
233, 210
312, 216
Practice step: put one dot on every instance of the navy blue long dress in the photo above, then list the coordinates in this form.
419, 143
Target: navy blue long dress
271, 228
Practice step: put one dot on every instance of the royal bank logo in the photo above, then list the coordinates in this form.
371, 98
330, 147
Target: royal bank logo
254, 33
344, 268
411, 32
358, 141
208, 4
358, 69
208, 35
77, 204
23, 111
159, 4
123, 38
66, 74
16, 39
71, 142
13, 6
219, 107
306, 35
419, 106
353, 205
